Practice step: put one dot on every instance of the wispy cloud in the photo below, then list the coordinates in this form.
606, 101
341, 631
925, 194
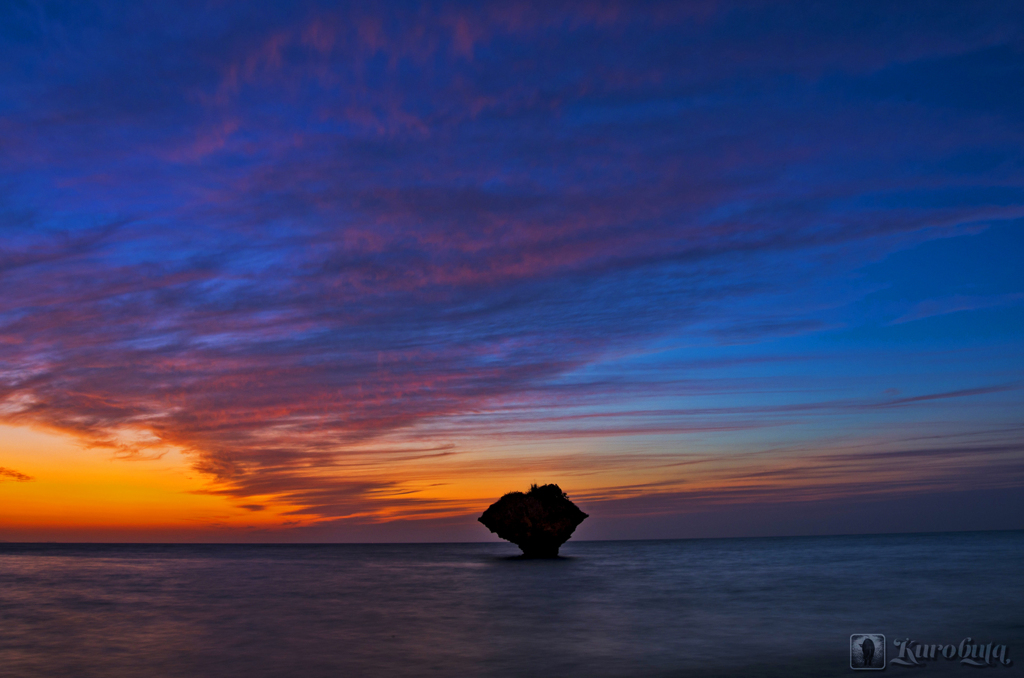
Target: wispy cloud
307, 244
956, 303
11, 474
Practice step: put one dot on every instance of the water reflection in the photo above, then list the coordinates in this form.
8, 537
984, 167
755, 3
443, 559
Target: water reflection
710, 607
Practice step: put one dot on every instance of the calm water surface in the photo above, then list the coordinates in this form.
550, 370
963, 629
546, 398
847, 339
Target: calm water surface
735, 607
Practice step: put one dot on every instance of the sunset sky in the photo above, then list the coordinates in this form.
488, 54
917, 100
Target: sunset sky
349, 272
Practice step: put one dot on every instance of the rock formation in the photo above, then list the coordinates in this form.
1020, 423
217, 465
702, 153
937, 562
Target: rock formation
538, 521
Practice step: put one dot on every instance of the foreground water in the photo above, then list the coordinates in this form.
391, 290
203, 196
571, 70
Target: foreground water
744, 607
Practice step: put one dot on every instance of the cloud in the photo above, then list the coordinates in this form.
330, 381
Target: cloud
793, 477
954, 304
311, 245
11, 474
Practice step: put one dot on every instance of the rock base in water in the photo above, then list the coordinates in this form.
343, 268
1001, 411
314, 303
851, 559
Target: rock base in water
538, 522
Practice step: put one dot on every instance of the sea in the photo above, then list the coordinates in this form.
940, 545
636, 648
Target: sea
703, 607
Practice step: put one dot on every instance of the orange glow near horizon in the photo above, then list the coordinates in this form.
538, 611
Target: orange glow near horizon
62, 488
77, 489
74, 487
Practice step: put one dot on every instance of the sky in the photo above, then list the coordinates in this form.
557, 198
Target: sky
293, 271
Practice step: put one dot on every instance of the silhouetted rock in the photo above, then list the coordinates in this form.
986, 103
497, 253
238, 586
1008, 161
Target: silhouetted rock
538, 522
